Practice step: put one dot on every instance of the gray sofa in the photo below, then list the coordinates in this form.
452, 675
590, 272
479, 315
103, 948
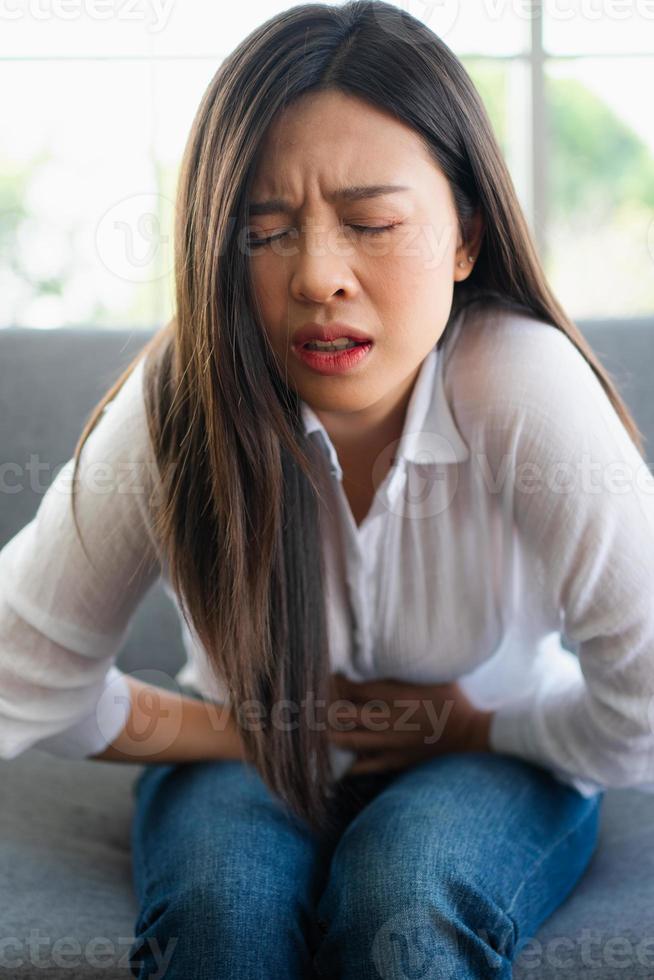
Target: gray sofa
67, 907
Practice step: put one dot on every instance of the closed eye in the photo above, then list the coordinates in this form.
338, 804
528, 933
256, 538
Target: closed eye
364, 229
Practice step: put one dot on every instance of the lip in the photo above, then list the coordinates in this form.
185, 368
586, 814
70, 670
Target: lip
333, 362
329, 331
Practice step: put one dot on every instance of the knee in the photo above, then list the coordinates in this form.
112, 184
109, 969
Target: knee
227, 929
442, 901
405, 907
207, 908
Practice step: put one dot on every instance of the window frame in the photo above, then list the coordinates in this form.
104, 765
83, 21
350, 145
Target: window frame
532, 178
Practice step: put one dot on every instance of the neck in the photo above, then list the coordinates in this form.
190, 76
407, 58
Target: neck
359, 437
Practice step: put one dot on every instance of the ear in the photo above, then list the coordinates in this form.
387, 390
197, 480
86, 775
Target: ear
467, 252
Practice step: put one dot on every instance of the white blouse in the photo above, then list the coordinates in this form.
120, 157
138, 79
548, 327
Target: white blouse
517, 511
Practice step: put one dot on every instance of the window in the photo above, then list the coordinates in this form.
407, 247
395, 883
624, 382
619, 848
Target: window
572, 113
103, 94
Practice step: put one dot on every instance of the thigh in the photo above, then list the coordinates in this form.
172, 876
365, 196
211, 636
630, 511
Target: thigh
455, 862
188, 815
223, 868
191, 820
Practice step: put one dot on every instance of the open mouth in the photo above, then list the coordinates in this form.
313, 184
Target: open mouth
337, 357
334, 347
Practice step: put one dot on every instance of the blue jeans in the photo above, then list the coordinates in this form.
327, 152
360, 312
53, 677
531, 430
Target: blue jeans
442, 870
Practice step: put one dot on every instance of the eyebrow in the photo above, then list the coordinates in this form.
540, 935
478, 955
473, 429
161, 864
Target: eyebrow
358, 192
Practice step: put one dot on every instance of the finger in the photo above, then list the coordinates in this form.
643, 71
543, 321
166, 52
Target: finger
384, 688
359, 739
358, 715
346, 689
377, 762
371, 732
336, 685
394, 694
365, 763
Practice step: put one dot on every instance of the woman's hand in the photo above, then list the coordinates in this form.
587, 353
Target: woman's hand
391, 724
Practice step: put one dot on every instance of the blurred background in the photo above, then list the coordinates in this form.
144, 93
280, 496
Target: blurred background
99, 96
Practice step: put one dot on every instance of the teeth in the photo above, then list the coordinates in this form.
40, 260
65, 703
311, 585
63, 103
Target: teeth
341, 344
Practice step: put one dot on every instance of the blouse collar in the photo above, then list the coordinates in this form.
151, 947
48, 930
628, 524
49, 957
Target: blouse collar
430, 435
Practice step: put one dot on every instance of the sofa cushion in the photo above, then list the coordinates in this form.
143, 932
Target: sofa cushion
603, 929
69, 908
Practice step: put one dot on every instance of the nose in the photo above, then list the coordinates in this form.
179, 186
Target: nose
320, 267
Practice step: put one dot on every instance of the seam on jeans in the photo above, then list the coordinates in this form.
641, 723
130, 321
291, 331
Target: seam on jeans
546, 854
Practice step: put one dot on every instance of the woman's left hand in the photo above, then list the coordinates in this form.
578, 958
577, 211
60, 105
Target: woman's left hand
391, 724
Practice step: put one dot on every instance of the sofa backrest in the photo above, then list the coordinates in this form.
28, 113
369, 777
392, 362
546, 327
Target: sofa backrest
49, 383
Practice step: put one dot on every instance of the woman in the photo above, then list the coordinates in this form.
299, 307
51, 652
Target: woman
376, 529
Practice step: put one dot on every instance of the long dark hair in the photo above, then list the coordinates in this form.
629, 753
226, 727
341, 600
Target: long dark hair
239, 523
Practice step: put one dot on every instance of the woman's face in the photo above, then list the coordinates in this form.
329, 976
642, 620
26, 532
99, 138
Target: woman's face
395, 286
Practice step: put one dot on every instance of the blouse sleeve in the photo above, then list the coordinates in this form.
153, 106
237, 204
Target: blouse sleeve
583, 507
63, 617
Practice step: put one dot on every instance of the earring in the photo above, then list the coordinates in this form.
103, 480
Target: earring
470, 258
461, 265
